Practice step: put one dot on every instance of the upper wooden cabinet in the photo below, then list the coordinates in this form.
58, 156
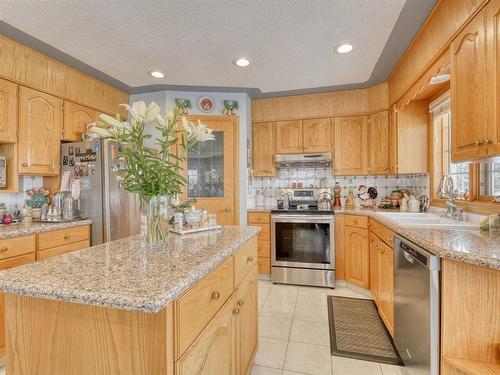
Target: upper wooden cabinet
378, 126
264, 148
8, 111
76, 118
351, 145
289, 138
469, 82
40, 122
317, 135
409, 132
493, 14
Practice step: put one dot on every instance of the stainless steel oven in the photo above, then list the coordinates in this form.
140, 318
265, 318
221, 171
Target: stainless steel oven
303, 248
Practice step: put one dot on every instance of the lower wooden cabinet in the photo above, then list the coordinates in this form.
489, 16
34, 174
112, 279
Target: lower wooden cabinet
382, 278
227, 344
213, 352
263, 220
4, 265
357, 256
23, 250
246, 323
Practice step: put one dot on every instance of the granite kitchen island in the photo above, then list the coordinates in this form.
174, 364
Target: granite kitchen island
119, 309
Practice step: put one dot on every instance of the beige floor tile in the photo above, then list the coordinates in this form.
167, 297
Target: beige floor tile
341, 292
271, 352
276, 328
311, 296
294, 373
260, 370
348, 366
310, 332
283, 293
391, 370
275, 309
2, 371
311, 313
265, 283
308, 358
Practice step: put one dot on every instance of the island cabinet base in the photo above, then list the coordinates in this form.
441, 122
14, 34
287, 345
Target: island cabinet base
46, 337
210, 329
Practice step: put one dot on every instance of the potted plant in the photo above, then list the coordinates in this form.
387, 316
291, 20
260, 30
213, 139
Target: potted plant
39, 197
152, 173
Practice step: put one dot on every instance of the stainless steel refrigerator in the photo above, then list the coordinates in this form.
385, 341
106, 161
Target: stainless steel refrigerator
115, 212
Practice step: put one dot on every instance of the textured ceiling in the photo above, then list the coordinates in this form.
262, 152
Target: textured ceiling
291, 42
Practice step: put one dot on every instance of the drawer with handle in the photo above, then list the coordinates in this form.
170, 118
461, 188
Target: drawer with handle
12, 247
55, 238
356, 221
59, 250
258, 218
384, 233
195, 308
244, 260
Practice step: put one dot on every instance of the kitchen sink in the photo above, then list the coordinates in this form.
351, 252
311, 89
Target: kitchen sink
426, 220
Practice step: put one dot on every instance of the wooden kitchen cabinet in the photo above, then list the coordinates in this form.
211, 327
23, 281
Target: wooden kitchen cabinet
493, 43
13, 252
382, 272
213, 351
264, 149
8, 111
357, 256
262, 219
76, 118
246, 312
317, 135
469, 83
40, 122
289, 139
379, 133
351, 145
409, 136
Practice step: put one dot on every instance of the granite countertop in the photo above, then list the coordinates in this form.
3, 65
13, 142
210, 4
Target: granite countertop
467, 245
120, 274
25, 229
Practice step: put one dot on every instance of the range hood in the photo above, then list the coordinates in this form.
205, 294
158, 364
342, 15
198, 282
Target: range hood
321, 160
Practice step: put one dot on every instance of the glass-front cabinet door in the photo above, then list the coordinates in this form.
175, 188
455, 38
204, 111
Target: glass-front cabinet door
211, 169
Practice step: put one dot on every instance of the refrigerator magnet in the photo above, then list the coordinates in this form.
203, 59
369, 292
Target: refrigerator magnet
65, 160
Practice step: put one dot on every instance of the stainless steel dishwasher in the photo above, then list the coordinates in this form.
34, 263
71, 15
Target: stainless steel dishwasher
416, 307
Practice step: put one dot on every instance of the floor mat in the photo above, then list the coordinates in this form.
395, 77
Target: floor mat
356, 331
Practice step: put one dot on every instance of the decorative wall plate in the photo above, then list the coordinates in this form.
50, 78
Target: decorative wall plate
206, 104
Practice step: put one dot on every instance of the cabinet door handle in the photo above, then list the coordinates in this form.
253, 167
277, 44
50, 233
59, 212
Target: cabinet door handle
240, 302
236, 311
250, 259
486, 141
215, 296
67, 236
24, 164
477, 143
227, 209
4, 249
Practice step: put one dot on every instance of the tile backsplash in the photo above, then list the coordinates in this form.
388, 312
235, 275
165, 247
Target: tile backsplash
15, 201
323, 177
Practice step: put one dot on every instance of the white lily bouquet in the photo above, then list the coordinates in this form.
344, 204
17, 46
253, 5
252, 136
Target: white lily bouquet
154, 173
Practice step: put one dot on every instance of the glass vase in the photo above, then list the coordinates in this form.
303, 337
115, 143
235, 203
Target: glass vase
154, 222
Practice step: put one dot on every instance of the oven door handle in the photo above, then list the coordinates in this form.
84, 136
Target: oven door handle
302, 219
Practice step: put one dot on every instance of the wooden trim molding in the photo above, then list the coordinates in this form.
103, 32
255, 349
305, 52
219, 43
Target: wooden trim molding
30, 68
331, 104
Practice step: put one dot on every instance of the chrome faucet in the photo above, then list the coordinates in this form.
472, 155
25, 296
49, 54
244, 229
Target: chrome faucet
446, 190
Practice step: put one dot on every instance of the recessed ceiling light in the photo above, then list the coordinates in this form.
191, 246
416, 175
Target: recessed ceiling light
157, 74
241, 62
440, 78
344, 48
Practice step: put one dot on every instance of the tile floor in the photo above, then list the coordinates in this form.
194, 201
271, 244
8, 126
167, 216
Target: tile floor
294, 334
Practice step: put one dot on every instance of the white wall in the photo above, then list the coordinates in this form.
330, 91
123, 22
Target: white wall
166, 100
